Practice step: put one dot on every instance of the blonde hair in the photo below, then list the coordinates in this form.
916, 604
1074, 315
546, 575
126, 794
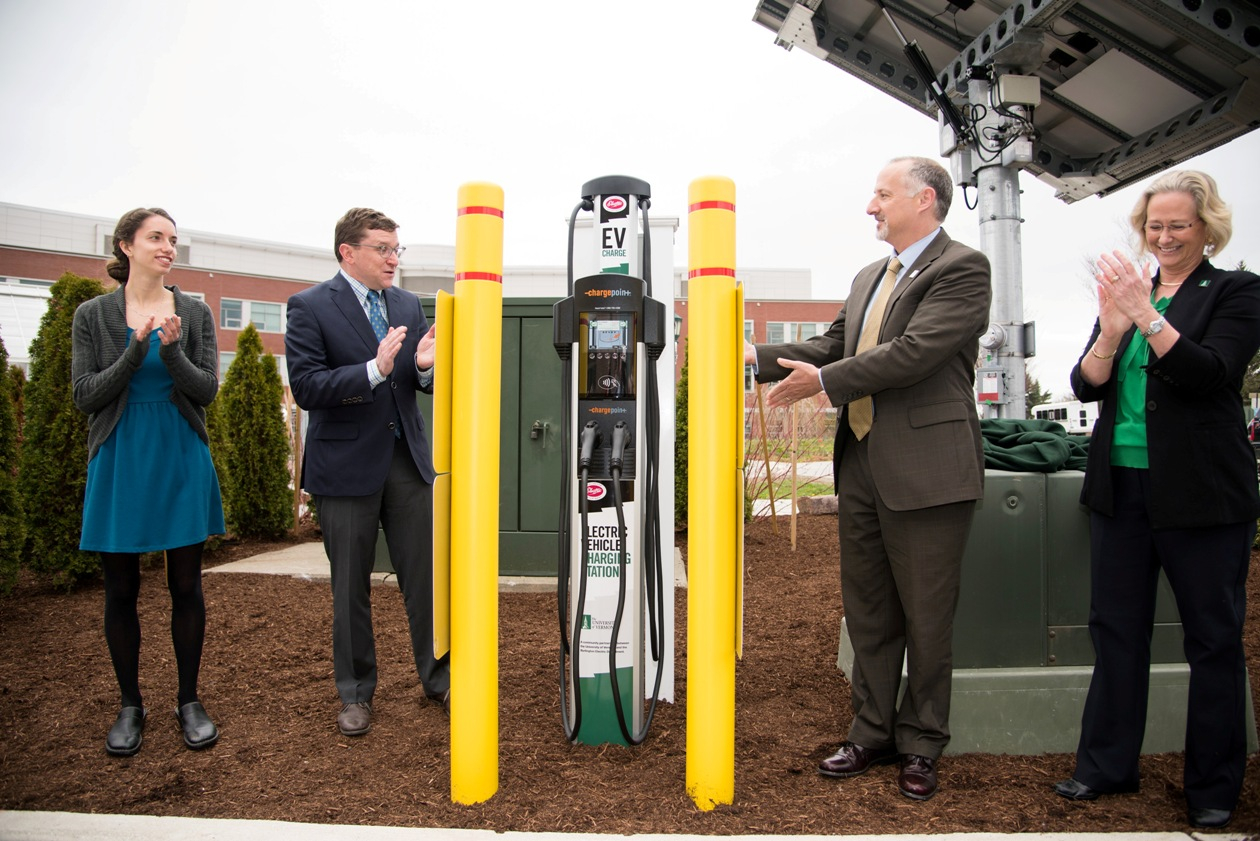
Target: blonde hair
1215, 214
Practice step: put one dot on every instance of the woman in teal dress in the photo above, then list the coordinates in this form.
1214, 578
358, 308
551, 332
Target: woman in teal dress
145, 367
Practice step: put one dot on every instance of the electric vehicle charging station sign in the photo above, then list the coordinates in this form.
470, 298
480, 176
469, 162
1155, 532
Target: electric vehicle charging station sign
603, 571
614, 234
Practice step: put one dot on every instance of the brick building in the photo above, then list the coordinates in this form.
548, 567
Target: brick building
244, 280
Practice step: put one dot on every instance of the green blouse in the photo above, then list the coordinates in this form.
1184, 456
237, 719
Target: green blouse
1128, 438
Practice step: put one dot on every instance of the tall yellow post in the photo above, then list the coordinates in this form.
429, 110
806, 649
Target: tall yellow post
474, 536
714, 492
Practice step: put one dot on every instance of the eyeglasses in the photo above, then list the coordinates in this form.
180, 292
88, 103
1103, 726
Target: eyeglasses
383, 250
1173, 228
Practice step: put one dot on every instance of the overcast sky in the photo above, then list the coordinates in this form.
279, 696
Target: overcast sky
268, 119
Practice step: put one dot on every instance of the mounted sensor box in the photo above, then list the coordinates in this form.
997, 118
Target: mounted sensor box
1018, 90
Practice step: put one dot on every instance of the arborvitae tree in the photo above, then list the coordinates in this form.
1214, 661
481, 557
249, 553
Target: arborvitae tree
53, 463
16, 382
216, 427
680, 445
12, 526
257, 499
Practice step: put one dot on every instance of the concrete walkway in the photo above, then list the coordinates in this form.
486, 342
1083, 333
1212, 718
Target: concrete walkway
308, 562
69, 826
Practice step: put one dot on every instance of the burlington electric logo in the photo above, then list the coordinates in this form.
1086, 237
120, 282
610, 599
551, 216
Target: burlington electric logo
607, 293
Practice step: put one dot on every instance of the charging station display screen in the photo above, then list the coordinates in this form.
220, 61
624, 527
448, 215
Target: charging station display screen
607, 355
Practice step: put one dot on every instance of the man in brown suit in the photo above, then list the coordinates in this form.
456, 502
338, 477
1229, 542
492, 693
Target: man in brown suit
908, 465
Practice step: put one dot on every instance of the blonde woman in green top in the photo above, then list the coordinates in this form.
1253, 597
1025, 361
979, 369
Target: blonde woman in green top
1171, 485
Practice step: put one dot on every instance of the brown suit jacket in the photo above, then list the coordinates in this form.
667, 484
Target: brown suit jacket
924, 446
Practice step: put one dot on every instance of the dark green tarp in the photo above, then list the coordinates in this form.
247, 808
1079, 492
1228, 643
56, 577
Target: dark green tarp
1031, 446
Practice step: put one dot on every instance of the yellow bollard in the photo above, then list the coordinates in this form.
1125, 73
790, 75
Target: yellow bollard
714, 493
474, 536
443, 422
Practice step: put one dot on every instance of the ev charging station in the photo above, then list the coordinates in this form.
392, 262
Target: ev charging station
610, 334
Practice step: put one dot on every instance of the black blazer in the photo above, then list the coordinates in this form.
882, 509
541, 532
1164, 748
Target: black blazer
1202, 467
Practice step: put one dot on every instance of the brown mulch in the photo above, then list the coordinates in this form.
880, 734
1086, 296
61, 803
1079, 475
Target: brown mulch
267, 680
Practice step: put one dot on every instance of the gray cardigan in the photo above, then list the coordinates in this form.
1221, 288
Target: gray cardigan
105, 360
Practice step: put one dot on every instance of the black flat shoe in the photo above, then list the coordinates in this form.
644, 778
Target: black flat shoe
127, 733
199, 730
1072, 789
1210, 818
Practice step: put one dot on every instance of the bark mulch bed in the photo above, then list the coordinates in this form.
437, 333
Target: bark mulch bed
267, 680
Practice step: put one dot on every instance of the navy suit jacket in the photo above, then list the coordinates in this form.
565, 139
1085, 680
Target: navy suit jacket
350, 437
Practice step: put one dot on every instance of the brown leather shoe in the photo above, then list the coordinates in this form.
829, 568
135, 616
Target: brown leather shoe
851, 760
355, 719
917, 779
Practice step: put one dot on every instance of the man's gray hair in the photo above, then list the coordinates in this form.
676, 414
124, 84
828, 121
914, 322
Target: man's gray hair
925, 172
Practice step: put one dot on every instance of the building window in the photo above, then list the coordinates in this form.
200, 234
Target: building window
230, 314
225, 362
266, 316
781, 332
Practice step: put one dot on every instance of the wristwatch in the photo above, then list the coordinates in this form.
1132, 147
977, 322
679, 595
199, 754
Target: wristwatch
1156, 326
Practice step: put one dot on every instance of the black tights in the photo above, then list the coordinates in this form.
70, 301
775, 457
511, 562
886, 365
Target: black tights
122, 623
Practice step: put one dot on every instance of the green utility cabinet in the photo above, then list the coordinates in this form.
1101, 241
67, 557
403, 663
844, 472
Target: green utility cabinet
1023, 657
529, 442
1025, 587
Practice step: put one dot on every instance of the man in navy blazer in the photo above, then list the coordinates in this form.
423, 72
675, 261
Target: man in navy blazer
358, 351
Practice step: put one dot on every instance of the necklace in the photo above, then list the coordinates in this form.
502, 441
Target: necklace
1178, 283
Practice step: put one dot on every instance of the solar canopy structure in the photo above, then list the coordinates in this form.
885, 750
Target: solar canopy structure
1127, 87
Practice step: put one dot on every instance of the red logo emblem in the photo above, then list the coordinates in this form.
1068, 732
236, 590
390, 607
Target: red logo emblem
595, 491
614, 204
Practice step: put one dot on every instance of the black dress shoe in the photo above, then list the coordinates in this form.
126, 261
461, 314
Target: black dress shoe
1073, 789
1210, 818
127, 733
355, 719
917, 779
199, 730
851, 760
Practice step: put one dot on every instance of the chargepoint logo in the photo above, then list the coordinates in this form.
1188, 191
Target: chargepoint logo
595, 491
615, 204
607, 293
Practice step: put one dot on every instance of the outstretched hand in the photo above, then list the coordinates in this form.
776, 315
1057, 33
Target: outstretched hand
801, 383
